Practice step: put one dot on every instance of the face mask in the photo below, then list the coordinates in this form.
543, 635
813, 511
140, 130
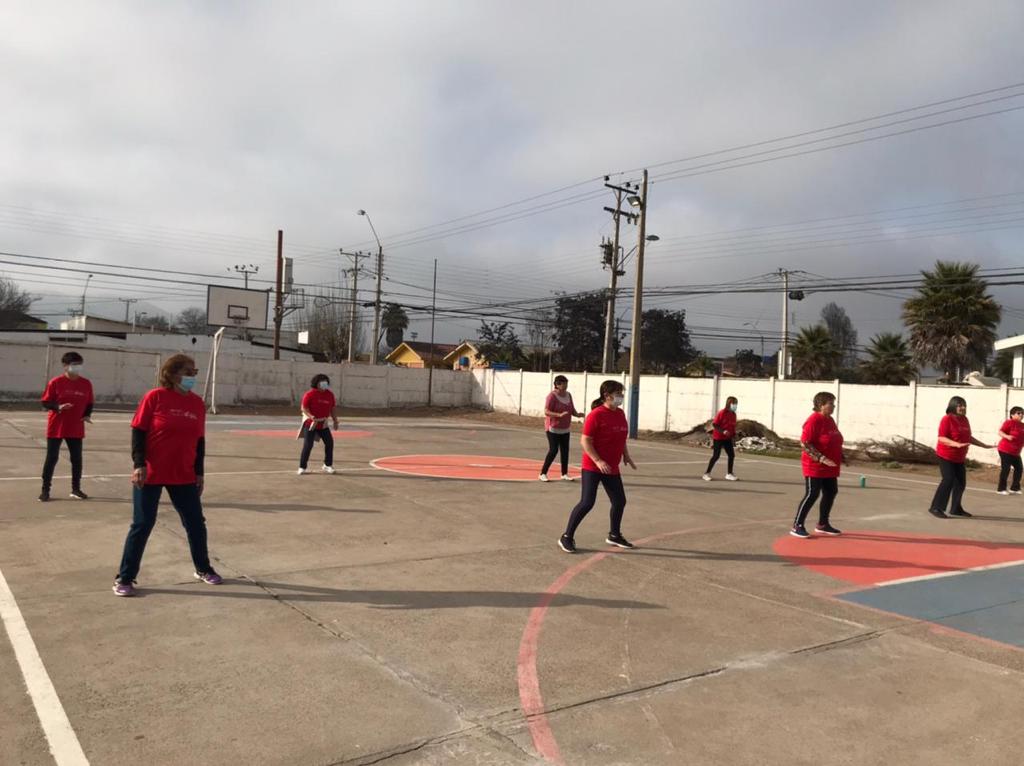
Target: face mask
75, 369
618, 399
188, 381
323, 385
732, 408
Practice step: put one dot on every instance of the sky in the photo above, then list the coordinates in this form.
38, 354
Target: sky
182, 136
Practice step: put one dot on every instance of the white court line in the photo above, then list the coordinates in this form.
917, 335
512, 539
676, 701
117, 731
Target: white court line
63, 741
938, 575
208, 473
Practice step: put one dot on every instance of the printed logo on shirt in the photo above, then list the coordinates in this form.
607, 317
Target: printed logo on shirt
179, 413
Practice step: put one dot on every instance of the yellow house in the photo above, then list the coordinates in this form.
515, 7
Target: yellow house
470, 353
414, 353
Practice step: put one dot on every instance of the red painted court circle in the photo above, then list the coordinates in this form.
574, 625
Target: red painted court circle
474, 467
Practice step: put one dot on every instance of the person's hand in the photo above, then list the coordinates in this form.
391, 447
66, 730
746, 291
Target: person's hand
602, 466
828, 462
630, 463
335, 424
139, 477
726, 433
87, 419
65, 406
200, 482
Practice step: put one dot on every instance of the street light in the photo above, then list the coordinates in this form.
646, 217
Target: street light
86, 287
648, 238
374, 349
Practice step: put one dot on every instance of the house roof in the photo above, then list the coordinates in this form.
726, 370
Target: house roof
13, 319
457, 349
422, 349
1010, 343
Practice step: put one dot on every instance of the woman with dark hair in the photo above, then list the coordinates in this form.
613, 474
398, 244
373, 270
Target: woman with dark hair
69, 399
168, 450
954, 440
317, 406
559, 411
822, 454
722, 433
604, 447
1011, 439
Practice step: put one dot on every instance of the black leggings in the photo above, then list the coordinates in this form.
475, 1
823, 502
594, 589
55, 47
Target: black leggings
588, 496
722, 444
951, 488
557, 443
307, 446
1008, 462
53, 454
827, 489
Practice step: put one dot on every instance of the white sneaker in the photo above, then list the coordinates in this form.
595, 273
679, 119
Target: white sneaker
301, 471
706, 477
567, 477
1015, 492
1002, 492
328, 469
543, 477
731, 477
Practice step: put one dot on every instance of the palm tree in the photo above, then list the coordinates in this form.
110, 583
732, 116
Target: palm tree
952, 320
889, 362
394, 322
815, 354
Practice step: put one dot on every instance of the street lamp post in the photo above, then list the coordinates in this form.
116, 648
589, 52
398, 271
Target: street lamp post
374, 348
86, 287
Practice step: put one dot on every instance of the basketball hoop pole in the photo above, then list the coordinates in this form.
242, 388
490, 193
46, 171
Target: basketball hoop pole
210, 387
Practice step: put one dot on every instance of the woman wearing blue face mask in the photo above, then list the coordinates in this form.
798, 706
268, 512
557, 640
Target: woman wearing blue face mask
168, 450
317, 407
722, 434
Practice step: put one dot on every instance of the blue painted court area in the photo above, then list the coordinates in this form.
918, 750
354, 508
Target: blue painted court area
987, 603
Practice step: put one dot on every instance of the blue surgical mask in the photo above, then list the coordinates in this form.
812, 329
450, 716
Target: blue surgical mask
323, 385
187, 382
732, 408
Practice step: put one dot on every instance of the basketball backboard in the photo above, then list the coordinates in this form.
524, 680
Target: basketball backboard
237, 307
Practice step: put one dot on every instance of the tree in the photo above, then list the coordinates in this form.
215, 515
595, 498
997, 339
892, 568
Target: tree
889, 361
499, 343
952, 319
842, 331
815, 354
579, 331
192, 320
1002, 366
702, 366
748, 364
395, 322
666, 342
327, 320
12, 297
539, 329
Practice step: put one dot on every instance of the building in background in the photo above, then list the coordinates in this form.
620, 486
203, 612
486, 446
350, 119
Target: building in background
416, 354
466, 356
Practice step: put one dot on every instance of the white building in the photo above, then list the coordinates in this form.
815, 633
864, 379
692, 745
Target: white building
1016, 346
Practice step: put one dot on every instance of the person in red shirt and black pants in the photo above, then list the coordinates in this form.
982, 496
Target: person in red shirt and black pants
604, 448
954, 440
822, 455
69, 399
1011, 435
168, 450
722, 434
317, 406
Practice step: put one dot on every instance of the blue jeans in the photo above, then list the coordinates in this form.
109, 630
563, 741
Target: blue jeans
185, 499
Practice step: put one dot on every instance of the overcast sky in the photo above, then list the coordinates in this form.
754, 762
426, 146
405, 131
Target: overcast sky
183, 135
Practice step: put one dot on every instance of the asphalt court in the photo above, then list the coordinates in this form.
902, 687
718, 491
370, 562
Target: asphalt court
385, 616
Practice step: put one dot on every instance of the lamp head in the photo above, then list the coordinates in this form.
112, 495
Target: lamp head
360, 212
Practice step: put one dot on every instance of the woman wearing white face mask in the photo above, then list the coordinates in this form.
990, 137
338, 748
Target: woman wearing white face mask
168, 451
69, 399
318, 405
724, 431
604, 448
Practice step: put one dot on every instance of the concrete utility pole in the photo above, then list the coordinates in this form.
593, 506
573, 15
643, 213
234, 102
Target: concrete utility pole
638, 296
430, 362
375, 347
613, 265
784, 348
279, 295
352, 311
83, 298
127, 306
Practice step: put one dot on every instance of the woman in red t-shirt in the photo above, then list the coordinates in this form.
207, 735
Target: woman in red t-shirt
68, 397
168, 450
723, 431
954, 440
1011, 435
317, 407
822, 446
559, 410
604, 447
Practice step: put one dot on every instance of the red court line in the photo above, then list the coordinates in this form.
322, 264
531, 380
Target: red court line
472, 467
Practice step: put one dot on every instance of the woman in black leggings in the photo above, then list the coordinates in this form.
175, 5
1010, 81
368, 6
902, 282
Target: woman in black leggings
954, 440
559, 411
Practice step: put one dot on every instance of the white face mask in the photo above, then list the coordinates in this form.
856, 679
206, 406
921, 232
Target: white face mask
323, 385
618, 399
732, 408
75, 369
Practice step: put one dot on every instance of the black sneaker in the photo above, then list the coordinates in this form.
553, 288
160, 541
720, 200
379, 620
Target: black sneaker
962, 514
827, 529
800, 531
619, 541
937, 513
567, 544
44, 496
77, 494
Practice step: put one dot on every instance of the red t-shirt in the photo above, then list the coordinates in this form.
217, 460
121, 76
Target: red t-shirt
1014, 429
724, 421
822, 433
609, 429
554, 404
174, 422
319, 404
958, 429
67, 424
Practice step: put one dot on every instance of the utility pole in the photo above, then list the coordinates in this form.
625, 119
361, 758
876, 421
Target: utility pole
375, 350
127, 306
784, 348
352, 312
638, 296
246, 270
279, 296
83, 299
613, 261
430, 362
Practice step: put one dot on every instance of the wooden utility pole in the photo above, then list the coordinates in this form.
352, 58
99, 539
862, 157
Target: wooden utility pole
279, 297
638, 296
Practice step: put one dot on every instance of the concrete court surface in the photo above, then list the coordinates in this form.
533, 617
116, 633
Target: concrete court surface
381, 617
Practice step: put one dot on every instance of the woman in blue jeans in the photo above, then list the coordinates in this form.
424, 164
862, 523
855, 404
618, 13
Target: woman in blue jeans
168, 449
